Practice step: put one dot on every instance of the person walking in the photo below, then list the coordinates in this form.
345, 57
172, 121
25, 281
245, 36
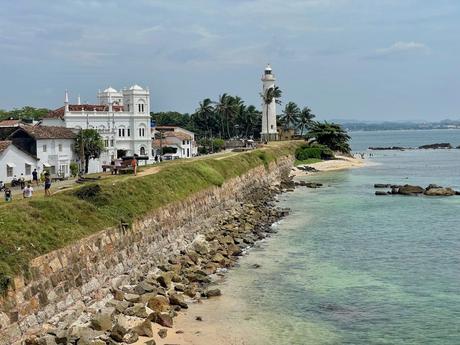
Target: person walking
22, 182
134, 165
35, 177
27, 191
47, 184
8, 195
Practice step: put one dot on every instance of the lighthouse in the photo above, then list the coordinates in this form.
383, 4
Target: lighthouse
269, 131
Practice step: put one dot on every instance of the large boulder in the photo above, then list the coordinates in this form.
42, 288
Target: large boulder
436, 146
165, 279
176, 299
144, 329
159, 304
200, 245
164, 320
102, 320
410, 190
439, 191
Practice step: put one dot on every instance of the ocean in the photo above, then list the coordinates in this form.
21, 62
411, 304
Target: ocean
349, 267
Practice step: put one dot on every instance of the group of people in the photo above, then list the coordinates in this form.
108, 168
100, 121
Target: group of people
27, 189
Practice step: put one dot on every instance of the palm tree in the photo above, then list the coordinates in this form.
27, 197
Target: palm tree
203, 116
330, 134
226, 108
290, 115
252, 120
270, 95
88, 145
305, 119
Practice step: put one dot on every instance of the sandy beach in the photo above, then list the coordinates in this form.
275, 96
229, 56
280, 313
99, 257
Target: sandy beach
340, 163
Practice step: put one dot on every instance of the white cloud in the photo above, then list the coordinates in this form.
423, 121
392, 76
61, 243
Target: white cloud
401, 48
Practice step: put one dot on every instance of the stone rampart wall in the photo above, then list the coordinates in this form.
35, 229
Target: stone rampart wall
86, 269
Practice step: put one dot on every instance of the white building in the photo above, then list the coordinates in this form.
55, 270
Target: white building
52, 145
180, 139
122, 119
14, 162
269, 130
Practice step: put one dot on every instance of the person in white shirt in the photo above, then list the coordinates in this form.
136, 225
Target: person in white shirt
28, 191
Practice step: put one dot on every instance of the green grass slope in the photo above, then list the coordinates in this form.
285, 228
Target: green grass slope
33, 228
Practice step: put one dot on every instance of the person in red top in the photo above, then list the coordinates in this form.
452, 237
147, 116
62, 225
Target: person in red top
134, 165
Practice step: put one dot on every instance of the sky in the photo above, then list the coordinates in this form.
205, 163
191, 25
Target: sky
374, 60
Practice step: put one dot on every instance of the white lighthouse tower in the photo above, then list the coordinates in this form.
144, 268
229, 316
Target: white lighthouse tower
269, 131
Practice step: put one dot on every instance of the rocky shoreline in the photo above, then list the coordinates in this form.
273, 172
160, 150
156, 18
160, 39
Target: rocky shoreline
436, 146
135, 304
410, 190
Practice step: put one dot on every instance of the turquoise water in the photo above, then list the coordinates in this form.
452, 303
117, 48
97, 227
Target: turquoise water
348, 267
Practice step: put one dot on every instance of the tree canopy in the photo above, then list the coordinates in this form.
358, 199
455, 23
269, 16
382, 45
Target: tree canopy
88, 145
25, 112
331, 135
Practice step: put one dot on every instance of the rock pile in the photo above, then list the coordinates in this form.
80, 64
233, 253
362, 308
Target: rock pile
308, 184
431, 190
307, 168
136, 301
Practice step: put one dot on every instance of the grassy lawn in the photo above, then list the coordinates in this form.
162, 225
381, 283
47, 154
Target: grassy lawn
307, 161
30, 228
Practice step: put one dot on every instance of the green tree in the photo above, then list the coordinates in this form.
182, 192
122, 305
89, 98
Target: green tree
290, 117
226, 108
88, 145
204, 118
305, 119
25, 112
272, 93
171, 118
331, 135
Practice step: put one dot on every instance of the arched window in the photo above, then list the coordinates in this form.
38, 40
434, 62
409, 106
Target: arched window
142, 151
142, 130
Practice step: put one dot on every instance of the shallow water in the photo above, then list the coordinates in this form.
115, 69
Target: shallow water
348, 267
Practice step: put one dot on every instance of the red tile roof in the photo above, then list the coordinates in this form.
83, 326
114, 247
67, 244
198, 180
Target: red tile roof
180, 135
4, 145
9, 123
48, 132
164, 142
59, 113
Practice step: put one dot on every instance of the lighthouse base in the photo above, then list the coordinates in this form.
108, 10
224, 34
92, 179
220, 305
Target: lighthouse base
269, 137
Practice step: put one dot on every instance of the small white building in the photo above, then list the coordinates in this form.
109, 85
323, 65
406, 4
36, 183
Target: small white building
122, 119
14, 162
53, 146
180, 139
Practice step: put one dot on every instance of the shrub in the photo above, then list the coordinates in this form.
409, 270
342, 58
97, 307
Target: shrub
74, 169
315, 151
92, 193
210, 145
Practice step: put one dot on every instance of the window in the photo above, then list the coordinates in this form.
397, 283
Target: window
111, 142
142, 132
44, 148
271, 126
142, 151
121, 132
188, 152
9, 171
28, 169
183, 142
128, 106
106, 142
140, 107
129, 132
60, 147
